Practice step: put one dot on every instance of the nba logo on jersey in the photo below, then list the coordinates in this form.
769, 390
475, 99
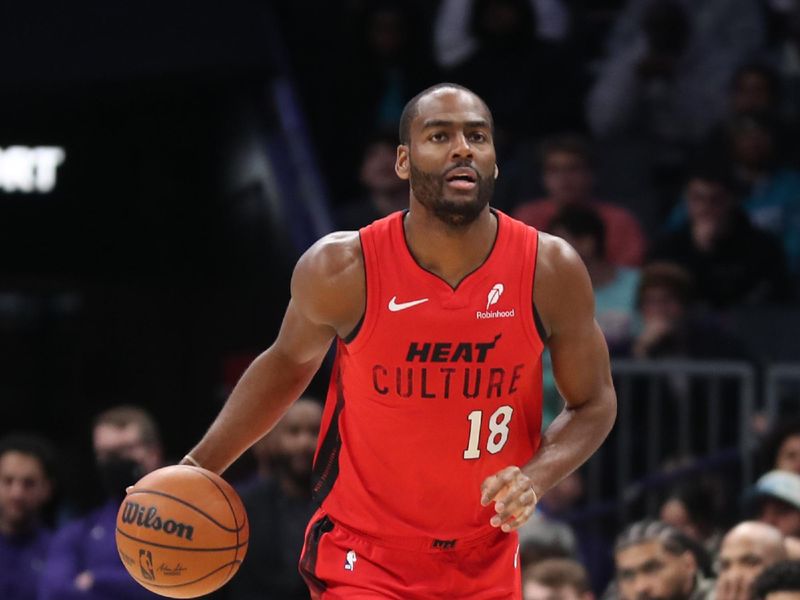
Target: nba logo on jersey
350, 561
494, 294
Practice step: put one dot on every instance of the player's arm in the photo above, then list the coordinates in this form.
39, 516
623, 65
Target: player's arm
328, 297
565, 301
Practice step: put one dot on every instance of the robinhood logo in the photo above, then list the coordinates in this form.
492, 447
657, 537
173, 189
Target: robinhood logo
148, 517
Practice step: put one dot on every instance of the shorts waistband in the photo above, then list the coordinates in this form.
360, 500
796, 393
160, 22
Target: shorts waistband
425, 544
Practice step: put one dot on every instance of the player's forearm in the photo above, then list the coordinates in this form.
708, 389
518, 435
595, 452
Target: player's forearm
571, 439
264, 392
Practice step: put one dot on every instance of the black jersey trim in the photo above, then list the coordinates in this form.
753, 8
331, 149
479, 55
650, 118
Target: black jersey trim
308, 562
326, 467
537, 318
539, 325
352, 335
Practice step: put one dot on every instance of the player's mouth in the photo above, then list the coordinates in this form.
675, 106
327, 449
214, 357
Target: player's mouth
462, 178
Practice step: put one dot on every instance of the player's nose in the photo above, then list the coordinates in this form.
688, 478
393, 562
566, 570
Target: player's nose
461, 147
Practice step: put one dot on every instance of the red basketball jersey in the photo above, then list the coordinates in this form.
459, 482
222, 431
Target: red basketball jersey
439, 389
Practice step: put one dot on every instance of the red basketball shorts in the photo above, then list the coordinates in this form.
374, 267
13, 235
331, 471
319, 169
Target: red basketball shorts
338, 562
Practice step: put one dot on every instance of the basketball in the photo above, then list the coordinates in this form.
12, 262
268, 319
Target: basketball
182, 531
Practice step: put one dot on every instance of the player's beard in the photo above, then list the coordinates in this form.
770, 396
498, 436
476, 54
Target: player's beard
429, 190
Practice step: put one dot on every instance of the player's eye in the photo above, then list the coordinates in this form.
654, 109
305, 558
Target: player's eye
438, 136
477, 136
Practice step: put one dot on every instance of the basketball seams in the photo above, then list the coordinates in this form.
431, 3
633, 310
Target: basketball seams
193, 507
187, 548
209, 570
235, 522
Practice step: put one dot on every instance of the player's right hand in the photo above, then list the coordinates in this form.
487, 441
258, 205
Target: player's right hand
514, 497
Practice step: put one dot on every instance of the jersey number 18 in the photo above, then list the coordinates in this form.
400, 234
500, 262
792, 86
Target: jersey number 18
498, 431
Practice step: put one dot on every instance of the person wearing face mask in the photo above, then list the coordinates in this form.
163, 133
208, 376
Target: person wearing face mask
83, 561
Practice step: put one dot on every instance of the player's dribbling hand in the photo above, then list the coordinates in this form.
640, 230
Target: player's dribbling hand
513, 496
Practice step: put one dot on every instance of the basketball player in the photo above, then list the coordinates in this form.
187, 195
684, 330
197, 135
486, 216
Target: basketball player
430, 454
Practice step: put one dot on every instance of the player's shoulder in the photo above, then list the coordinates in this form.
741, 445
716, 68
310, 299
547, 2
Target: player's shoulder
329, 283
555, 255
335, 257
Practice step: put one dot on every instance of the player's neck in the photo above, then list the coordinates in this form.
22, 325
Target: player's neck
447, 251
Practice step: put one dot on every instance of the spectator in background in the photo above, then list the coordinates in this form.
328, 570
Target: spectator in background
556, 579
769, 189
614, 286
555, 532
731, 261
755, 89
777, 501
654, 560
783, 51
670, 325
27, 477
568, 179
83, 562
669, 63
390, 60
614, 289
384, 191
746, 551
691, 509
780, 581
279, 507
454, 43
663, 85
533, 85
542, 538
376, 58
780, 449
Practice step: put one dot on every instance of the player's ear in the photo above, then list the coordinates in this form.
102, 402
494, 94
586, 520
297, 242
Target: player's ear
496, 171
402, 166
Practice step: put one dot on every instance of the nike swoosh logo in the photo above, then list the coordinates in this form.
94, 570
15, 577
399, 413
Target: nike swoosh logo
395, 306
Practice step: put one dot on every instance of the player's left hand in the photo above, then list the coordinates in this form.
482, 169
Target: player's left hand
513, 496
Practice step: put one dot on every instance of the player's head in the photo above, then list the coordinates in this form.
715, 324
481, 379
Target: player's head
556, 579
747, 550
780, 581
126, 446
447, 153
27, 474
567, 169
295, 441
654, 561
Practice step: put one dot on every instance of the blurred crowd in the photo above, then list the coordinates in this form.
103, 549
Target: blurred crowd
684, 551
660, 139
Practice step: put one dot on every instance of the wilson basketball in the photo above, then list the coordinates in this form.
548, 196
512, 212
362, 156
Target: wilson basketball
182, 531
